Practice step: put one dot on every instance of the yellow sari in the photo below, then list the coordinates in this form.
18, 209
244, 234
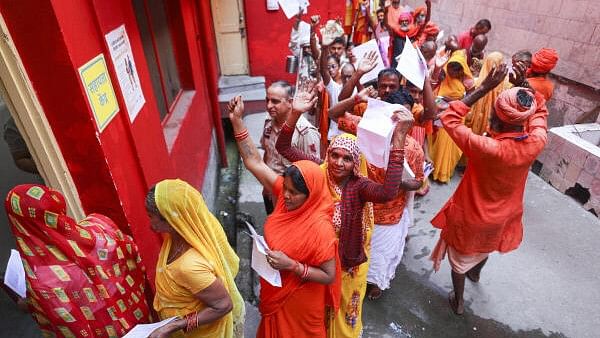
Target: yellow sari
210, 255
445, 153
478, 118
347, 321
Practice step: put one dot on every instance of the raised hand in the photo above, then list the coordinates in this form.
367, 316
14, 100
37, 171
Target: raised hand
306, 97
235, 107
404, 119
495, 77
517, 77
314, 21
441, 59
366, 93
368, 62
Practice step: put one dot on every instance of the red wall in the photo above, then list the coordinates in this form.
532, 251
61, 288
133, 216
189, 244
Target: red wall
113, 170
268, 43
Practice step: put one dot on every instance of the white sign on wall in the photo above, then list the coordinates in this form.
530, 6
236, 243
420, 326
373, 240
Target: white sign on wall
122, 58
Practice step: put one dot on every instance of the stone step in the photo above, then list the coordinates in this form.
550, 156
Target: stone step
254, 101
240, 83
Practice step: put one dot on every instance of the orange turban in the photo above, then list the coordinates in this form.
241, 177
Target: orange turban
510, 111
544, 60
419, 10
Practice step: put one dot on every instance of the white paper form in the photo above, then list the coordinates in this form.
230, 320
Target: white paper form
374, 132
14, 277
259, 258
144, 330
361, 51
292, 7
412, 65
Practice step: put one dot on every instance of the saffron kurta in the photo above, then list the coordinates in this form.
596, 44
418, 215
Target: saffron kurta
485, 213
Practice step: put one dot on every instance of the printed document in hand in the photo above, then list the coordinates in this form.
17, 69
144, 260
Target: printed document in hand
144, 330
14, 277
361, 51
259, 258
292, 7
375, 130
412, 64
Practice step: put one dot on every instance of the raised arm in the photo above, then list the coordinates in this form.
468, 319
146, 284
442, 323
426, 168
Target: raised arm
430, 108
347, 104
381, 193
314, 22
366, 64
304, 100
252, 160
323, 63
452, 118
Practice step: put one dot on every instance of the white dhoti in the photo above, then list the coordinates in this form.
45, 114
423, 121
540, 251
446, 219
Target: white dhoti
387, 248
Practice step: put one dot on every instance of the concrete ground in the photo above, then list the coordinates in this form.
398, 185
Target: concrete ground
546, 288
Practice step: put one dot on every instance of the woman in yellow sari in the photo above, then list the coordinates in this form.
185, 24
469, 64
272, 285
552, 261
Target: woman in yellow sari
458, 80
196, 266
479, 117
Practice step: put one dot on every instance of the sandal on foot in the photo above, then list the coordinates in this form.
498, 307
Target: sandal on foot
458, 309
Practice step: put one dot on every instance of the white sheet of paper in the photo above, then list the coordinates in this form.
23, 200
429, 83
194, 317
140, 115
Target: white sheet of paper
14, 277
259, 258
361, 51
412, 64
144, 330
292, 7
408, 170
303, 31
440, 36
375, 130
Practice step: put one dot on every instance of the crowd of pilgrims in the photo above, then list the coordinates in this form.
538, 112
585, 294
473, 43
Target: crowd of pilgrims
337, 225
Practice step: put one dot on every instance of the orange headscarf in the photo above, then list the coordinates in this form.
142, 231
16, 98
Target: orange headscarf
544, 60
510, 111
305, 234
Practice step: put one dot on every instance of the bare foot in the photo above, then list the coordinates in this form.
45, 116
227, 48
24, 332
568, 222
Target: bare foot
473, 276
457, 307
374, 292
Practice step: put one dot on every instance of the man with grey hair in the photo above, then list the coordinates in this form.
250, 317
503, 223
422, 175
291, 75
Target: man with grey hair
306, 137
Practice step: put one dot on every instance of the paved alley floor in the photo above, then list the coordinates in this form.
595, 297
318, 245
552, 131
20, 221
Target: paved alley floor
549, 287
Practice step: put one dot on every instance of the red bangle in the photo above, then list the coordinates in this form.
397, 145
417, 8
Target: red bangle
241, 135
305, 272
356, 99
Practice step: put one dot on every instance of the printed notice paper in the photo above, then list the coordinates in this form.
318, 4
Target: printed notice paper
144, 330
259, 258
14, 277
122, 58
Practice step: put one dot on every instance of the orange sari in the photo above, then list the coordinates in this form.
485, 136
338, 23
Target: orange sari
297, 309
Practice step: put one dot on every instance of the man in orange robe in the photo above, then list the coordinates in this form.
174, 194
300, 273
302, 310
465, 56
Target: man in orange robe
485, 212
542, 62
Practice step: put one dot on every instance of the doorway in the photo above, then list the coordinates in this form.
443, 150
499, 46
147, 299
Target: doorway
22, 115
230, 32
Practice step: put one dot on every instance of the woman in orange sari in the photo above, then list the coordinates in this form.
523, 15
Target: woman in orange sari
310, 270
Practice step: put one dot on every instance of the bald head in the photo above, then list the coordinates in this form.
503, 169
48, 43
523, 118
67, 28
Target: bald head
428, 49
479, 43
347, 72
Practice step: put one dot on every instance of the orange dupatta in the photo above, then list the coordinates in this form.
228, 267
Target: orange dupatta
305, 234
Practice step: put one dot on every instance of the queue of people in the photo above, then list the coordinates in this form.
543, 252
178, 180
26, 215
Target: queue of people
337, 224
